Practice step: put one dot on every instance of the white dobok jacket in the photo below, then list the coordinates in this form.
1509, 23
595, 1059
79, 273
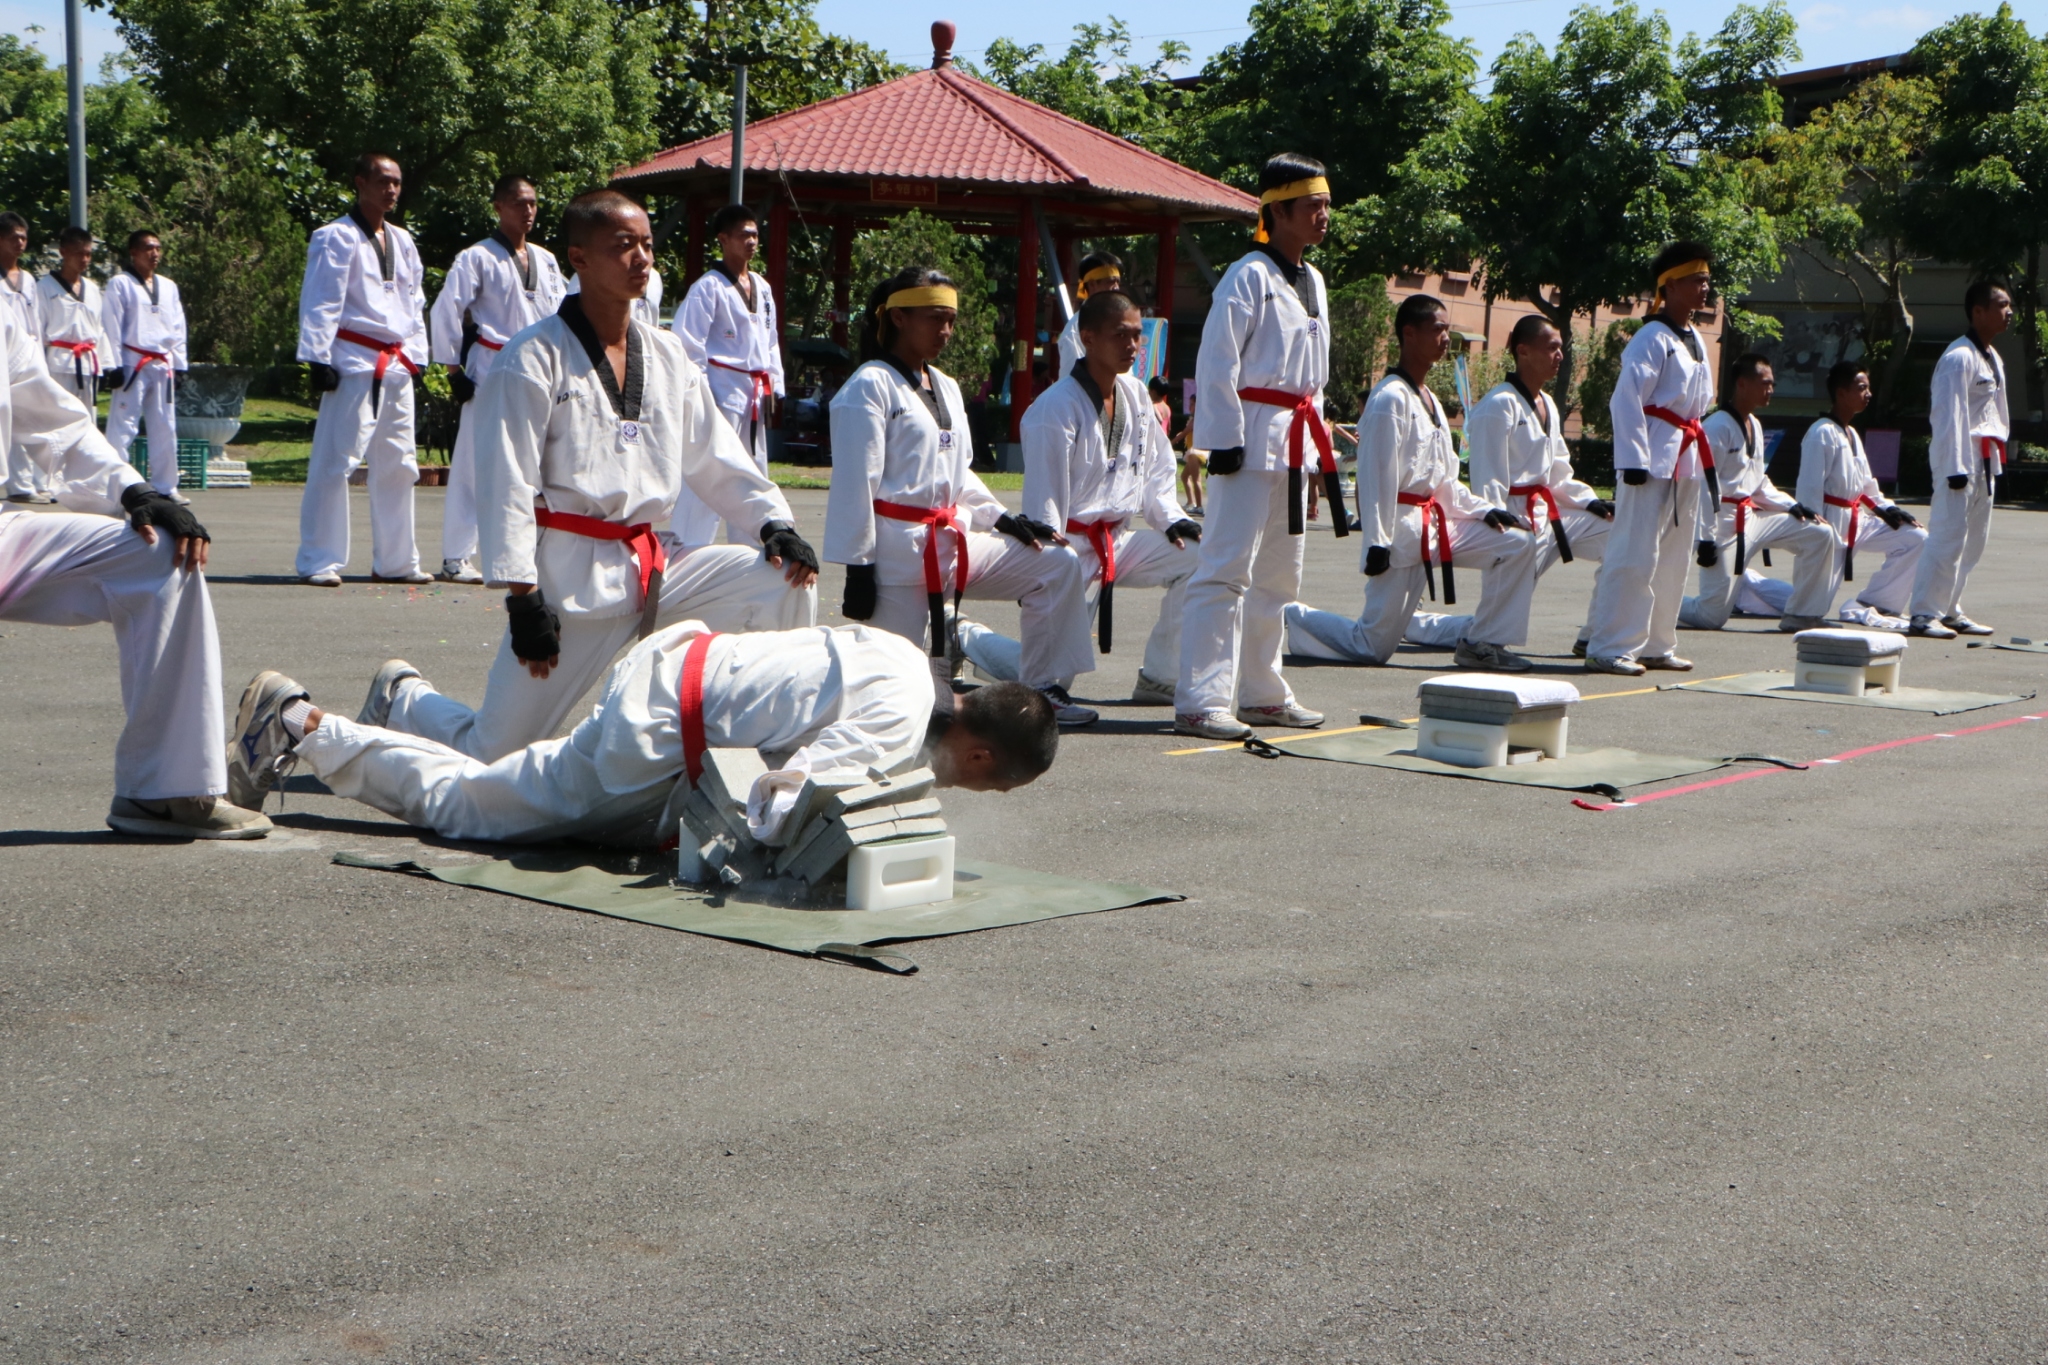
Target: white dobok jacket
1739, 462
548, 433
351, 286
1070, 474
1658, 369
729, 339
1832, 464
1968, 402
144, 319
1259, 335
487, 284
62, 315
1404, 446
1512, 446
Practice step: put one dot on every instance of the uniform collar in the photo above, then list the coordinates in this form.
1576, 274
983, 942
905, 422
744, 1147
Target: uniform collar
625, 402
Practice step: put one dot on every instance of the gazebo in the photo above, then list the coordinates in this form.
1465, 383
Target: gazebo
956, 148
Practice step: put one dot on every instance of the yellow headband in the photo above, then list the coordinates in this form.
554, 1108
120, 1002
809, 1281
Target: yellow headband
1297, 189
1679, 272
924, 296
1102, 272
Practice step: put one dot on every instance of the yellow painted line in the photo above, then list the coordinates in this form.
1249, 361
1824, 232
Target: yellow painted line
1410, 720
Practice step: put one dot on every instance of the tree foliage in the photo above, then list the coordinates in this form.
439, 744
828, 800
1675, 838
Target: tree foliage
917, 239
1096, 81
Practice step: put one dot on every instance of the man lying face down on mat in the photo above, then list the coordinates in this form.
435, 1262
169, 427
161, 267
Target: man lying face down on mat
816, 702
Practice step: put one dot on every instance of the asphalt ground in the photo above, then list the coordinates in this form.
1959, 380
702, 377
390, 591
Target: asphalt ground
1424, 1069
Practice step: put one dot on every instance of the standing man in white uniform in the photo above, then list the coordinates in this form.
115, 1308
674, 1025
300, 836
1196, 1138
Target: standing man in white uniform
730, 327
1835, 480
908, 517
125, 554
1097, 461
363, 334
1662, 459
68, 308
1417, 517
818, 703
18, 301
588, 425
495, 290
1967, 454
145, 326
1259, 380
1755, 516
1100, 273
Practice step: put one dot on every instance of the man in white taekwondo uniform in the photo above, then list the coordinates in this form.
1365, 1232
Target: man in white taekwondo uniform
1835, 478
1417, 516
18, 301
1662, 457
495, 290
818, 703
588, 425
1755, 516
363, 332
1967, 454
145, 325
68, 311
908, 518
124, 554
729, 326
1520, 463
1100, 273
1259, 379
1097, 462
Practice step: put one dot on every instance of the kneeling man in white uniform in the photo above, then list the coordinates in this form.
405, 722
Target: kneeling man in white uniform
817, 702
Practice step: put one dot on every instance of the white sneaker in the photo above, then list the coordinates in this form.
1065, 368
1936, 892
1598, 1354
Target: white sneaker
1963, 625
175, 496
1151, 692
1291, 716
416, 576
262, 751
383, 690
186, 817
1210, 725
1667, 663
1069, 715
1627, 668
1489, 658
326, 578
458, 571
1930, 628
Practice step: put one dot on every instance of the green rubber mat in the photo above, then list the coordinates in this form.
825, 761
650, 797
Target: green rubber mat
1779, 685
624, 886
2016, 644
1606, 771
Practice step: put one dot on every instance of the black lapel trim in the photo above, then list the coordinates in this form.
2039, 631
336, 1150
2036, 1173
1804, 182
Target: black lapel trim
1428, 399
1529, 398
918, 385
383, 248
1298, 277
752, 293
1691, 338
626, 405
527, 271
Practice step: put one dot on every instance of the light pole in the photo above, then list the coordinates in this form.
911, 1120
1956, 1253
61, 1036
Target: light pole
74, 56
739, 132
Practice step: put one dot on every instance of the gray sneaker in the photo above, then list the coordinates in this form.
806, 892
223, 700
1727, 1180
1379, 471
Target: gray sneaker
1627, 668
262, 751
186, 817
1064, 710
1930, 628
1291, 716
1789, 623
1210, 725
1489, 658
383, 690
1151, 692
1963, 625
458, 571
1667, 663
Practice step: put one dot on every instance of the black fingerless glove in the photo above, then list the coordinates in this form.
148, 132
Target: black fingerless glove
147, 507
1184, 530
1024, 530
779, 540
1705, 554
1226, 461
1959, 481
1501, 521
859, 602
112, 379
460, 386
536, 630
1378, 559
1635, 478
1799, 511
1601, 508
321, 378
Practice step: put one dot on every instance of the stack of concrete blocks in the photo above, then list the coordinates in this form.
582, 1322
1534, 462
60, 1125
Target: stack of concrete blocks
1490, 720
828, 829
1847, 662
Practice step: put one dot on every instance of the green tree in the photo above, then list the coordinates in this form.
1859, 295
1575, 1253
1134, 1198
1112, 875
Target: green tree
460, 91
232, 242
915, 239
1586, 158
1836, 188
1096, 81
1982, 198
124, 128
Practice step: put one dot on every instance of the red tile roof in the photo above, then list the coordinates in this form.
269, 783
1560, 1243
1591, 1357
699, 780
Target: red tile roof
946, 126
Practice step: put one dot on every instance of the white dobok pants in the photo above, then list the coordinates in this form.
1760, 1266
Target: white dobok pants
1896, 556
1815, 575
1642, 580
347, 435
1231, 628
1047, 584
1588, 535
1506, 565
458, 508
1958, 524
1145, 558
727, 587
60, 569
147, 405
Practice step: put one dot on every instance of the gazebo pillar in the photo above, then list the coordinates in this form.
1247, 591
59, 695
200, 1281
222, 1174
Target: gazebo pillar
778, 268
842, 279
1027, 318
1169, 241
693, 260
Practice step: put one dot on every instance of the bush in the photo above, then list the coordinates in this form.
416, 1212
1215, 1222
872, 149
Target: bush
1601, 373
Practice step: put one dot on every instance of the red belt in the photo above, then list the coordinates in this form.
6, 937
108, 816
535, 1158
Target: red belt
1540, 492
79, 351
640, 541
1691, 433
386, 351
1986, 445
1741, 506
934, 519
147, 356
490, 345
1306, 418
1428, 504
764, 385
1102, 535
690, 712
1855, 506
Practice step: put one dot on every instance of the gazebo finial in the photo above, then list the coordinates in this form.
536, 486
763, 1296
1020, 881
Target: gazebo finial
943, 33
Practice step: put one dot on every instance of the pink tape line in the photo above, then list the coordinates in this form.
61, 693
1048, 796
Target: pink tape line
1843, 757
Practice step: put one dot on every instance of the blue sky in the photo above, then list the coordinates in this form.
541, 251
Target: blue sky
1830, 31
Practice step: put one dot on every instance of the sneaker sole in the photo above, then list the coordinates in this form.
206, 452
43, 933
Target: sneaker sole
170, 829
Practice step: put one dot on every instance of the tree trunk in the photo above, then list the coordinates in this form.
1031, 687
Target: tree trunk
1560, 315
1902, 326
2029, 303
